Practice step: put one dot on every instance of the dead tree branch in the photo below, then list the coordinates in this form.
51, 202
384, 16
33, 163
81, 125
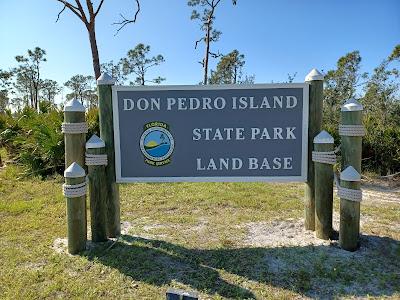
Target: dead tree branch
126, 21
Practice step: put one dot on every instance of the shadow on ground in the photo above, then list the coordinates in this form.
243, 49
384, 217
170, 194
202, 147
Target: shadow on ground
314, 271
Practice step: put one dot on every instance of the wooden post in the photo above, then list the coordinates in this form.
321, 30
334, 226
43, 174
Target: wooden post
323, 162
75, 194
316, 80
349, 210
351, 114
96, 160
104, 85
351, 132
74, 130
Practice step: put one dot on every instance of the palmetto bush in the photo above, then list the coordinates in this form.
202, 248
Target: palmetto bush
34, 140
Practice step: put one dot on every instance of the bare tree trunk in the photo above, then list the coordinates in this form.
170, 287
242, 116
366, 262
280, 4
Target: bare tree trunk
37, 99
95, 52
89, 20
32, 97
142, 72
207, 53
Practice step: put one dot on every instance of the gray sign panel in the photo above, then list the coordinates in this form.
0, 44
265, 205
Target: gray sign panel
211, 133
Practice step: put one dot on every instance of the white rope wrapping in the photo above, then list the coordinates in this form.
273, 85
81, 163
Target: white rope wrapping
74, 190
96, 159
350, 194
74, 128
351, 130
324, 157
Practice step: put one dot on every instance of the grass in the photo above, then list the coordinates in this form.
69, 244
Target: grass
188, 236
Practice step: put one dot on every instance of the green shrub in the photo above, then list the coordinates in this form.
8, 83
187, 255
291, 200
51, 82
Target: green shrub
35, 141
92, 118
381, 147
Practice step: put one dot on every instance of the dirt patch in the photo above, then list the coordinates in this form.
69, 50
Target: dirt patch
34, 266
60, 246
381, 190
280, 233
126, 227
379, 195
322, 266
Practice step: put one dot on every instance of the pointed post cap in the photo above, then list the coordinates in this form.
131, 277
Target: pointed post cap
74, 105
105, 79
323, 138
74, 171
352, 105
314, 75
350, 174
95, 142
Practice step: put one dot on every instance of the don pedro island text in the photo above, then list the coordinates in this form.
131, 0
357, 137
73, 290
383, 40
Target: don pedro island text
207, 103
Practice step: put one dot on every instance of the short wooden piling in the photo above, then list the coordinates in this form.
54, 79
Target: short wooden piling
96, 160
323, 158
316, 80
104, 85
75, 194
351, 132
349, 209
74, 129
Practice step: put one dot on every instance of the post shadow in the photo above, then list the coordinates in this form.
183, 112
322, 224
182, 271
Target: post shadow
159, 262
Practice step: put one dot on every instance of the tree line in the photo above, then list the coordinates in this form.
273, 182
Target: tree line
23, 85
34, 139
24, 88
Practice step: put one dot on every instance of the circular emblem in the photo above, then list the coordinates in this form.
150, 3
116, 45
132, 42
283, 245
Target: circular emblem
157, 144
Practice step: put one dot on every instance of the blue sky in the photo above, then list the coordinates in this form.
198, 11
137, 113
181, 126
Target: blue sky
277, 37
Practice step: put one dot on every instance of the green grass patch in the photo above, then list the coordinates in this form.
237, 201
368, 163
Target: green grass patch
189, 236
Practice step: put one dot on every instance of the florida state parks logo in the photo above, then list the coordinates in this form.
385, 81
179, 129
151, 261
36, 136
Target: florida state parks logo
157, 144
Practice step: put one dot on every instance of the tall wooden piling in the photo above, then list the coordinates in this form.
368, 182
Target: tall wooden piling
96, 160
316, 80
74, 129
324, 158
351, 132
104, 86
75, 193
350, 197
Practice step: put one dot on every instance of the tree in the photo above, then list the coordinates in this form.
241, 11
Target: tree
22, 90
5, 85
381, 90
28, 73
82, 89
88, 18
115, 71
248, 79
49, 89
291, 77
138, 63
340, 85
206, 19
229, 69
